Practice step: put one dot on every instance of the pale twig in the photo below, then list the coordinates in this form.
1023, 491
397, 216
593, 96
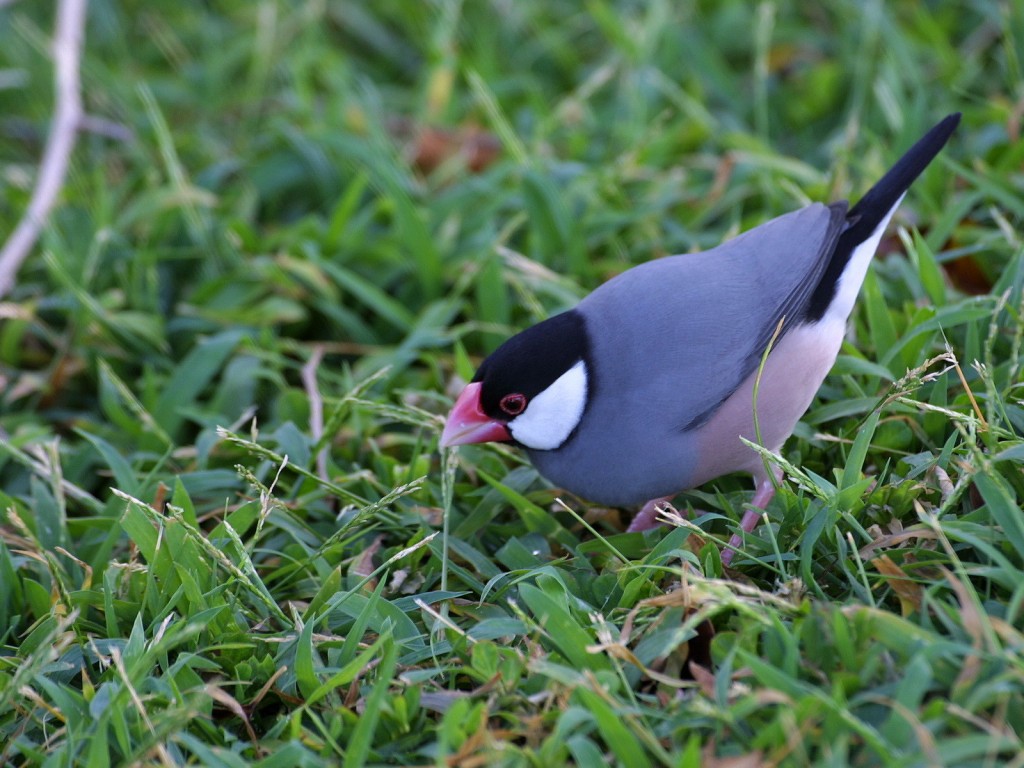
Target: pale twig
316, 407
67, 116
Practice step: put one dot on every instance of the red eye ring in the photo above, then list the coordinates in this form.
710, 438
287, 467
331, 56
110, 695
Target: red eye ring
513, 404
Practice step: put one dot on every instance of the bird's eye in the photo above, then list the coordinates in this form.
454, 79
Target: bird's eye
513, 404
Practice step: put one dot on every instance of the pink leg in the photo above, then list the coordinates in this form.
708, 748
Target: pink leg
764, 494
645, 518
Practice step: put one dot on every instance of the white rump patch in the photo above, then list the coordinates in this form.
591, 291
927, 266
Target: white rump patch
856, 268
551, 416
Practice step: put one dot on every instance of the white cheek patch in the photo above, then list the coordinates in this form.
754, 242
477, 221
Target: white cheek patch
552, 415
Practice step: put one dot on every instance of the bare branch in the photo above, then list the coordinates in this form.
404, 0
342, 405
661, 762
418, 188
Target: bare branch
316, 407
67, 116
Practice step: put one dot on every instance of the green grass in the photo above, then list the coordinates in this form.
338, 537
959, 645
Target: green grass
180, 583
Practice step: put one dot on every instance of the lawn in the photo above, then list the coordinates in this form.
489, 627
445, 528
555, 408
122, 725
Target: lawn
289, 232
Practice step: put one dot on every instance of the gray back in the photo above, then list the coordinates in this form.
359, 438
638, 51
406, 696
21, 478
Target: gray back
672, 338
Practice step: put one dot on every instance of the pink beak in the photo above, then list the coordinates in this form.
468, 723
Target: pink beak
467, 423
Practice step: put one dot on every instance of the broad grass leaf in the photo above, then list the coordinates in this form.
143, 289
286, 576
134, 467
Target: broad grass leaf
191, 376
352, 669
563, 629
497, 628
1002, 504
49, 515
361, 742
858, 452
613, 729
536, 519
879, 315
140, 530
378, 613
372, 297
928, 270
307, 662
124, 475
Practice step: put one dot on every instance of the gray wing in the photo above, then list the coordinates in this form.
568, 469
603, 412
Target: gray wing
680, 334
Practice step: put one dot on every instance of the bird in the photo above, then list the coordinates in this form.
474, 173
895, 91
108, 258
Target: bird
644, 389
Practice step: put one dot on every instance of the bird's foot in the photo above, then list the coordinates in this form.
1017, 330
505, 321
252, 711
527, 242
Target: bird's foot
647, 517
762, 496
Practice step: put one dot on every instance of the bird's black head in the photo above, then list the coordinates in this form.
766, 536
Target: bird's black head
535, 385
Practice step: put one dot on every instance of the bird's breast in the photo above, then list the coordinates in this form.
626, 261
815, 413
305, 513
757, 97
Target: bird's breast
786, 386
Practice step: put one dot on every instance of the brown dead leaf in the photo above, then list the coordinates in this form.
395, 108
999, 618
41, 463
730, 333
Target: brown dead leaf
160, 497
430, 147
471, 753
893, 540
973, 623
67, 367
967, 276
363, 566
909, 592
434, 516
969, 615
232, 704
751, 760
704, 678
723, 173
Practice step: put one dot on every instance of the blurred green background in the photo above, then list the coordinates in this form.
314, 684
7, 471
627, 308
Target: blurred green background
282, 206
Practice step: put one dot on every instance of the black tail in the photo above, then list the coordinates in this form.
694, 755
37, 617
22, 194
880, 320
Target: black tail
883, 196
865, 216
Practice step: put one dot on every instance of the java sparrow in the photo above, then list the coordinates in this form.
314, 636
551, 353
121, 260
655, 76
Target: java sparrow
645, 387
